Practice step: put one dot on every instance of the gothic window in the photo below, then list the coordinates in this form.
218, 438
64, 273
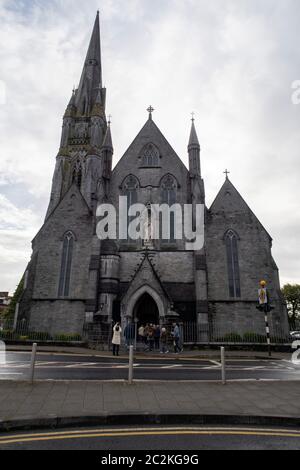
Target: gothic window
231, 242
77, 174
130, 189
66, 264
169, 196
150, 156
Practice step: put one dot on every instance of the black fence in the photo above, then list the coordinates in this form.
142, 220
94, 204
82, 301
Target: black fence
22, 333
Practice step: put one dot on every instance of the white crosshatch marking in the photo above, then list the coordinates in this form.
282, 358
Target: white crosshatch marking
2, 353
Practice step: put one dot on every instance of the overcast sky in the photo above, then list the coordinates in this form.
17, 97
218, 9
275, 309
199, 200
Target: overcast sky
232, 62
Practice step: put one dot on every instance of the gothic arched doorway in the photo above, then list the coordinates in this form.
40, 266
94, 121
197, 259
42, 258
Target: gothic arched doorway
146, 310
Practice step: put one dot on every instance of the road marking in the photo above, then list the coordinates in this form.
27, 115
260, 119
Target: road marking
216, 363
80, 364
105, 366
175, 366
11, 373
123, 366
87, 434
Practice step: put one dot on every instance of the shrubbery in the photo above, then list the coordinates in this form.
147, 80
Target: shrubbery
6, 334
38, 336
254, 338
231, 338
248, 337
67, 337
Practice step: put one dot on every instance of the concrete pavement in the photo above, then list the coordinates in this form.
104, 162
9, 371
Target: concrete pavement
50, 403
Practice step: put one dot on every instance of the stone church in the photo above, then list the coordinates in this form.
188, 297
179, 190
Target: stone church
74, 278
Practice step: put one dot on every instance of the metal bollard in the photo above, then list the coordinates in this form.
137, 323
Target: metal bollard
32, 362
223, 362
130, 371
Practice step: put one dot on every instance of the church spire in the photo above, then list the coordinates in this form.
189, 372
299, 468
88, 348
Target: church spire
194, 151
91, 78
193, 142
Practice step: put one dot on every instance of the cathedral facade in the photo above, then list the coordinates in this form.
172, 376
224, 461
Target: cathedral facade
75, 278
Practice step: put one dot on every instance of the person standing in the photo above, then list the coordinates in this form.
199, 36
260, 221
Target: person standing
151, 337
176, 336
163, 341
141, 333
146, 333
157, 337
116, 341
129, 334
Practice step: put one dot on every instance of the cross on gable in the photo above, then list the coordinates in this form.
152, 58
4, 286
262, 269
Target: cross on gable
150, 111
226, 172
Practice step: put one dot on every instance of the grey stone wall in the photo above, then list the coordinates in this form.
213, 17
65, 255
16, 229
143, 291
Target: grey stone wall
61, 316
174, 267
72, 214
58, 315
242, 317
230, 211
169, 163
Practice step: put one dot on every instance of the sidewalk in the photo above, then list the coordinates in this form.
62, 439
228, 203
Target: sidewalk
50, 403
187, 354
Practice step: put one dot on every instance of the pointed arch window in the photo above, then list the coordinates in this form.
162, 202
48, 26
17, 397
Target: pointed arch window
130, 189
231, 242
77, 174
150, 156
66, 265
169, 188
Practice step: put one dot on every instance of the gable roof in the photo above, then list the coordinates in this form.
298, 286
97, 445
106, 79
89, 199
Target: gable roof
144, 260
152, 132
233, 203
73, 188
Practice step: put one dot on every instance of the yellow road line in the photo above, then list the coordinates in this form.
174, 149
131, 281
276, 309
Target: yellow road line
153, 432
147, 429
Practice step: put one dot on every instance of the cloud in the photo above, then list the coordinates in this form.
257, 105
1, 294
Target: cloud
233, 63
17, 228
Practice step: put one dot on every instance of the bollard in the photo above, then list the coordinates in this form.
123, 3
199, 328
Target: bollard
32, 362
223, 361
130, 371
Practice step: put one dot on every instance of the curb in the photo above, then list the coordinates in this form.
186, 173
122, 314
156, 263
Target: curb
146, 419
141, 355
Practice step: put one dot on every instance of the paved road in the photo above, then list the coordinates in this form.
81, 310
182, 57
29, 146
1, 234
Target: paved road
72, 367
158, 438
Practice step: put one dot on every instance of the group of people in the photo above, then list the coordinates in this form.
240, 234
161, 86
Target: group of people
153, 337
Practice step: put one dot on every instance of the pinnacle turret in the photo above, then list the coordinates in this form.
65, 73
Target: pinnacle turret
193, 142
107, 152
98, 108
71, 108
107, 142
194, 152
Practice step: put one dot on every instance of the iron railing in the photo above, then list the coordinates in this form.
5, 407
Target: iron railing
215, 332
100, 336
22, 332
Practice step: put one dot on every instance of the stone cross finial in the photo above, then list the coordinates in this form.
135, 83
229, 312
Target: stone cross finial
226, 172
150, 111
193, 116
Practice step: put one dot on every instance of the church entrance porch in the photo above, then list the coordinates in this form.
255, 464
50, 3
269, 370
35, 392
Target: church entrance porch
146, 311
